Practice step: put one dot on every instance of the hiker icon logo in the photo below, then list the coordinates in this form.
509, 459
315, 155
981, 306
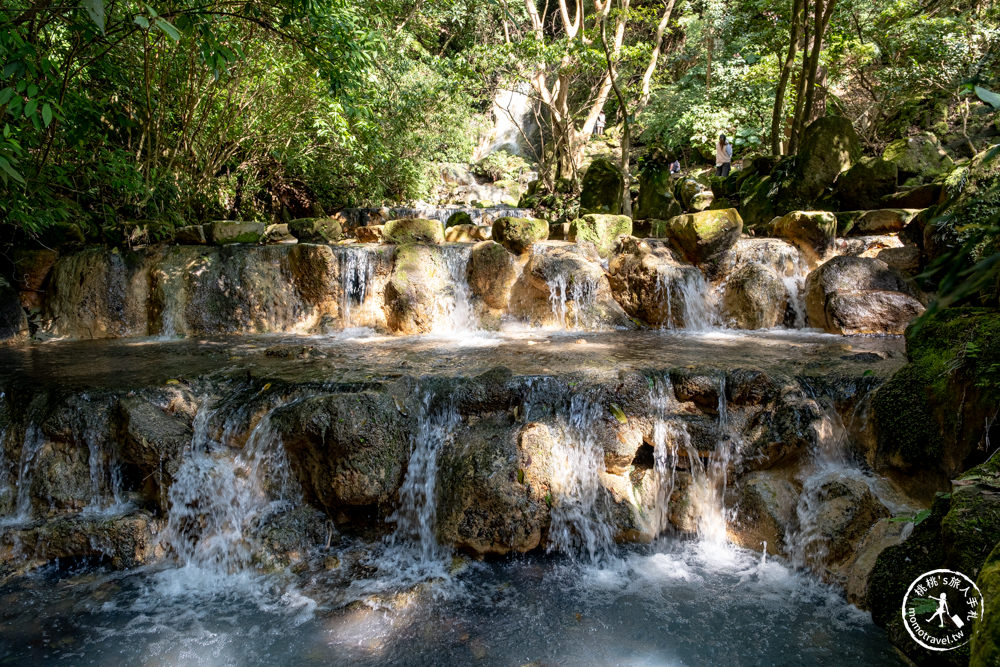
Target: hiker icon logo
939, 609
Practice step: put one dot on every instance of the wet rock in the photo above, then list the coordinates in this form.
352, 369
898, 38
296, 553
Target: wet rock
920, 157
518, 234
844, 511
601, 230
754, 298
191, 235
32, 269
812, 231
985, 645
852, 295
656, 198
648, 280
370, 234
13, 321
317, 230
864, 185
857, 570
224, 232
491, 274
565, 286
466, 233
905, 260
883, 221
346, 449
413, 230
492, 488
706, 236
602, 188
971, 528
418, 279
694, 195
765, 511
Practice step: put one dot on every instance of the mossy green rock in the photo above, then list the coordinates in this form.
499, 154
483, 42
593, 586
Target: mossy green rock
225, 232
971, 529
920, 157
413, 230
814, 231
829, 147
694, 195
702, 237
928, 418
491, 273
985, 646
601, 230
518, 234
656, 198
458, 218
416, 283
317, 230
602, 188
865, 184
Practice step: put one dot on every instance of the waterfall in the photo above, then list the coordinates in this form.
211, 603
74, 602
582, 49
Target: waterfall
359, 217
666, 437
711, 476
580, 525
219, 500
6, 488
33, 441
455, 314
697, 300
580, 289
357, 273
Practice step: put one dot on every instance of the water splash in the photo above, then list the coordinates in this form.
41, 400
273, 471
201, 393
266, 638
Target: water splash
33, 442
455, 313
697, 300
357, 273
580, 290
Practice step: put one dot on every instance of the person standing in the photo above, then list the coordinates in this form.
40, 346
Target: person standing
723, 157
599, 127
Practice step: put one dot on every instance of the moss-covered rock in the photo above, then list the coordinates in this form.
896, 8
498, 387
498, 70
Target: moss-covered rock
601, 230
883, 221
491, 273
985, 646
458, 218
413, 230
317, 230
694, 195
518, 234
813, 231
705, 236
865, 184
919, 158
602, 188
656, 197
414, 289
971, 529
225, 232
929, 417
829, 147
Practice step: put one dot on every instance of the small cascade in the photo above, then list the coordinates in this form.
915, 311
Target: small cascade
219, 500
360, 217
455, 308
33, 442
694, 294
580, 289
580, 526
7, 489
106, 487
357, 273
711, 476
414, 540
666, 438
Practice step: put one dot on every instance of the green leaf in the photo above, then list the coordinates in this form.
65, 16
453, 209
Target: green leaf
618, 413
95, 9
168, 29
988, 96
5, 95
10, 171
30, 107
46, 114
142, 22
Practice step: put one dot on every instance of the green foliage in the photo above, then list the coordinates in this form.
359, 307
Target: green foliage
501, 165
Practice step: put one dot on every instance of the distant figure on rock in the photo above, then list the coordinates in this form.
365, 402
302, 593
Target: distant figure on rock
675, 167
599, 127
723, 157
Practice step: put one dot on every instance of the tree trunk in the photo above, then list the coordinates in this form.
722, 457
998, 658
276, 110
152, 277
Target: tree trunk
647, 76
626, 125
786, 71
800, 88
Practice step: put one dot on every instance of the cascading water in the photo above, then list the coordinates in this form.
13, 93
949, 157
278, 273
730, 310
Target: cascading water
710, 477
579, 289
692, 291
455, 314
580, 526
357, 273
33, 442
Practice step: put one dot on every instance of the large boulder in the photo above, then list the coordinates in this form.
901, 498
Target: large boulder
518, 234
755, 297
317, 230
920, 158
601, 230
705, 236
694, 195
649, 282
882, 221
458, 218
829, 147
413, 230
985, 645
13, 321
813, 231
656, 197
856, 295
602, 188
370, 234
346, 449
467, 233
31, 273
765, 511
415, 287
864, 185
491, 274
226, 232
928, 419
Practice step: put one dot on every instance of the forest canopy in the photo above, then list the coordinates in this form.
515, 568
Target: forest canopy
184, 111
